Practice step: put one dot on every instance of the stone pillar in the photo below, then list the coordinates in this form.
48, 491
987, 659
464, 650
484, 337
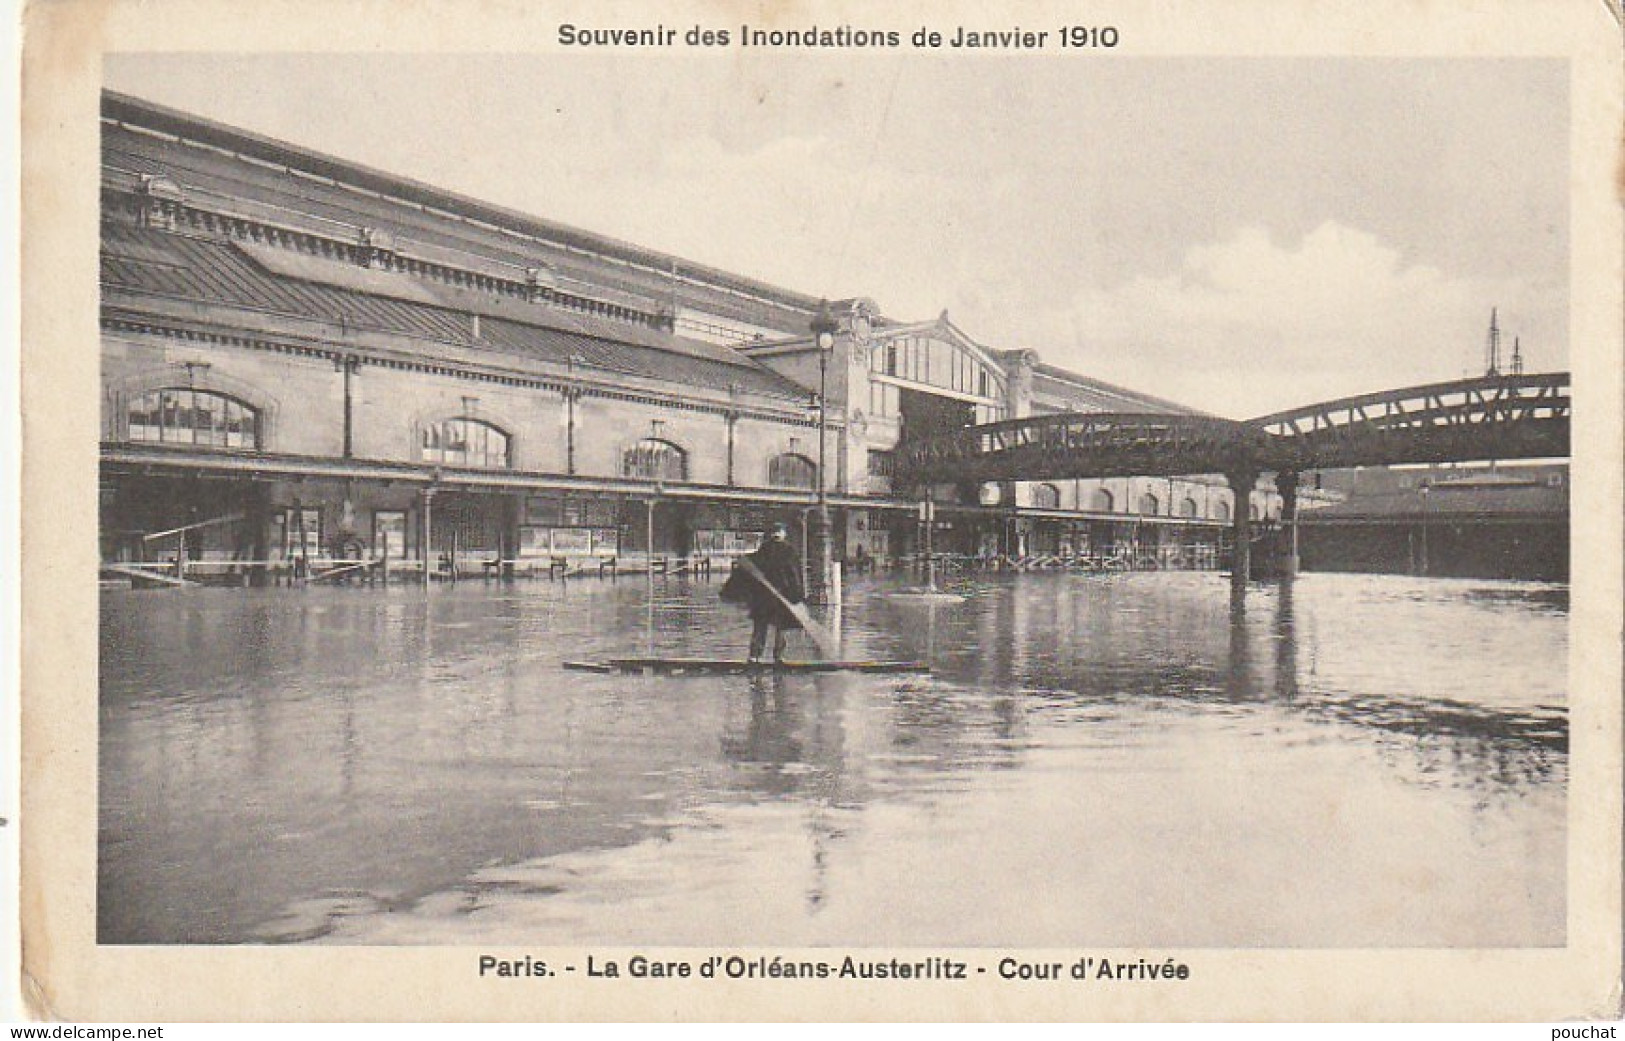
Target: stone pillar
732, 420
1242, 480
426, 533
571, 395
1018, 382
1286, 482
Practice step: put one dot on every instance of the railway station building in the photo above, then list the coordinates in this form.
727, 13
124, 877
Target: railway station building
309, 364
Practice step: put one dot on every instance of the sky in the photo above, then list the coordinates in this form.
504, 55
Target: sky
1241, 234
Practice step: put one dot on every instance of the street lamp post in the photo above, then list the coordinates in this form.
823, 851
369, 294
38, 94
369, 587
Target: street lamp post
823, 330
1424, 493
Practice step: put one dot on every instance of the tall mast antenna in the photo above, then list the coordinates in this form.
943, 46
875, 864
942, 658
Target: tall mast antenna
1492, 351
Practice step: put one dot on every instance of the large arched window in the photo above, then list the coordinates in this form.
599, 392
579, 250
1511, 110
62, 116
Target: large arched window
1221, 510
791, 471
1046, 497
655, 460
1101, 501
181, 415
1188, 508
1149, 504
465, 442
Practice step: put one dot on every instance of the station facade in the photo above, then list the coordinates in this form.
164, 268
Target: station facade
310, 364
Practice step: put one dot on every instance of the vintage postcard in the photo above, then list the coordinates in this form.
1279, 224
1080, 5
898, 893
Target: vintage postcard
711, 510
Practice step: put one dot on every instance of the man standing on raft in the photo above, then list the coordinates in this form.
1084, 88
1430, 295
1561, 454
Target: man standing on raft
776, 563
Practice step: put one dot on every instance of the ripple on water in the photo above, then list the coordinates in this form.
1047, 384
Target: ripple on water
349, 766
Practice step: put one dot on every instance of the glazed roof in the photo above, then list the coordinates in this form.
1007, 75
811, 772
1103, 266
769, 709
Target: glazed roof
237, 164
207, 270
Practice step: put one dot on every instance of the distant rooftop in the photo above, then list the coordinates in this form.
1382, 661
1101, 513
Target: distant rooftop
1110, 397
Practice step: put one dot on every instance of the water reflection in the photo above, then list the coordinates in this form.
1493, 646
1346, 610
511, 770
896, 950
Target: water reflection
1285, 635
793, 743
381, 766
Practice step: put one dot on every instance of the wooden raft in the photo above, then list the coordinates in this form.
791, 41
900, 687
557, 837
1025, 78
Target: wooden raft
676, 666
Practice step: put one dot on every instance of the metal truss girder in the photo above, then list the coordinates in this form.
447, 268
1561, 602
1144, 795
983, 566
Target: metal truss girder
1496, 417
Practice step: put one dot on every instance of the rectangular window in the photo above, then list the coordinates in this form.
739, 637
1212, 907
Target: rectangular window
880, 464
144, 422
169, 409
389, 534
239, 427
202, 421
303, 531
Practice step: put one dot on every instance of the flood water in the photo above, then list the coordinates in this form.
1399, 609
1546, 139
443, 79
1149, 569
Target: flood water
1113, 760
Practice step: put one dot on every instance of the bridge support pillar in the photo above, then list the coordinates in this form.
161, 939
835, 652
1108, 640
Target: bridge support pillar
1242, 480
1286, 482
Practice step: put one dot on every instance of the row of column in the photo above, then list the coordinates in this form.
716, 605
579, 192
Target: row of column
1242, 480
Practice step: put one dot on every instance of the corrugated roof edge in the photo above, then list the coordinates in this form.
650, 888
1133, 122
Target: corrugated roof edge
1056, 372
128, 109
399, 286
567, 323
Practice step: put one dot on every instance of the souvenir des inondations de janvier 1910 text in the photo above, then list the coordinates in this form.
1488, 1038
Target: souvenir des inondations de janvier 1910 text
812, 37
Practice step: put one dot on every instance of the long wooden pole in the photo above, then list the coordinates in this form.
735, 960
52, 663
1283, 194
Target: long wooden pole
226, 519
826, 641
142, 573
340, 570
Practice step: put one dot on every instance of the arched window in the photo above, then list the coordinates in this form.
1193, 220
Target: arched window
1221, 510
1149, 504
465, 442
181, 415
1252, 511
1101, 501
1187, 508
791, 471
1046, 497
655, 460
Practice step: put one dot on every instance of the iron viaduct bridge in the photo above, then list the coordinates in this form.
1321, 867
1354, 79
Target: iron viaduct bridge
1488, 417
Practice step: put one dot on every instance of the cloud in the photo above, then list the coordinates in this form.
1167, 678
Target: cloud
1248, 325
796, 211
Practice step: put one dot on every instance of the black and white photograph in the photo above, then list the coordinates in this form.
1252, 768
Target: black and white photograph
755, 481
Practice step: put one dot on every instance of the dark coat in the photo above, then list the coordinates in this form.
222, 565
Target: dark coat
780, 565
